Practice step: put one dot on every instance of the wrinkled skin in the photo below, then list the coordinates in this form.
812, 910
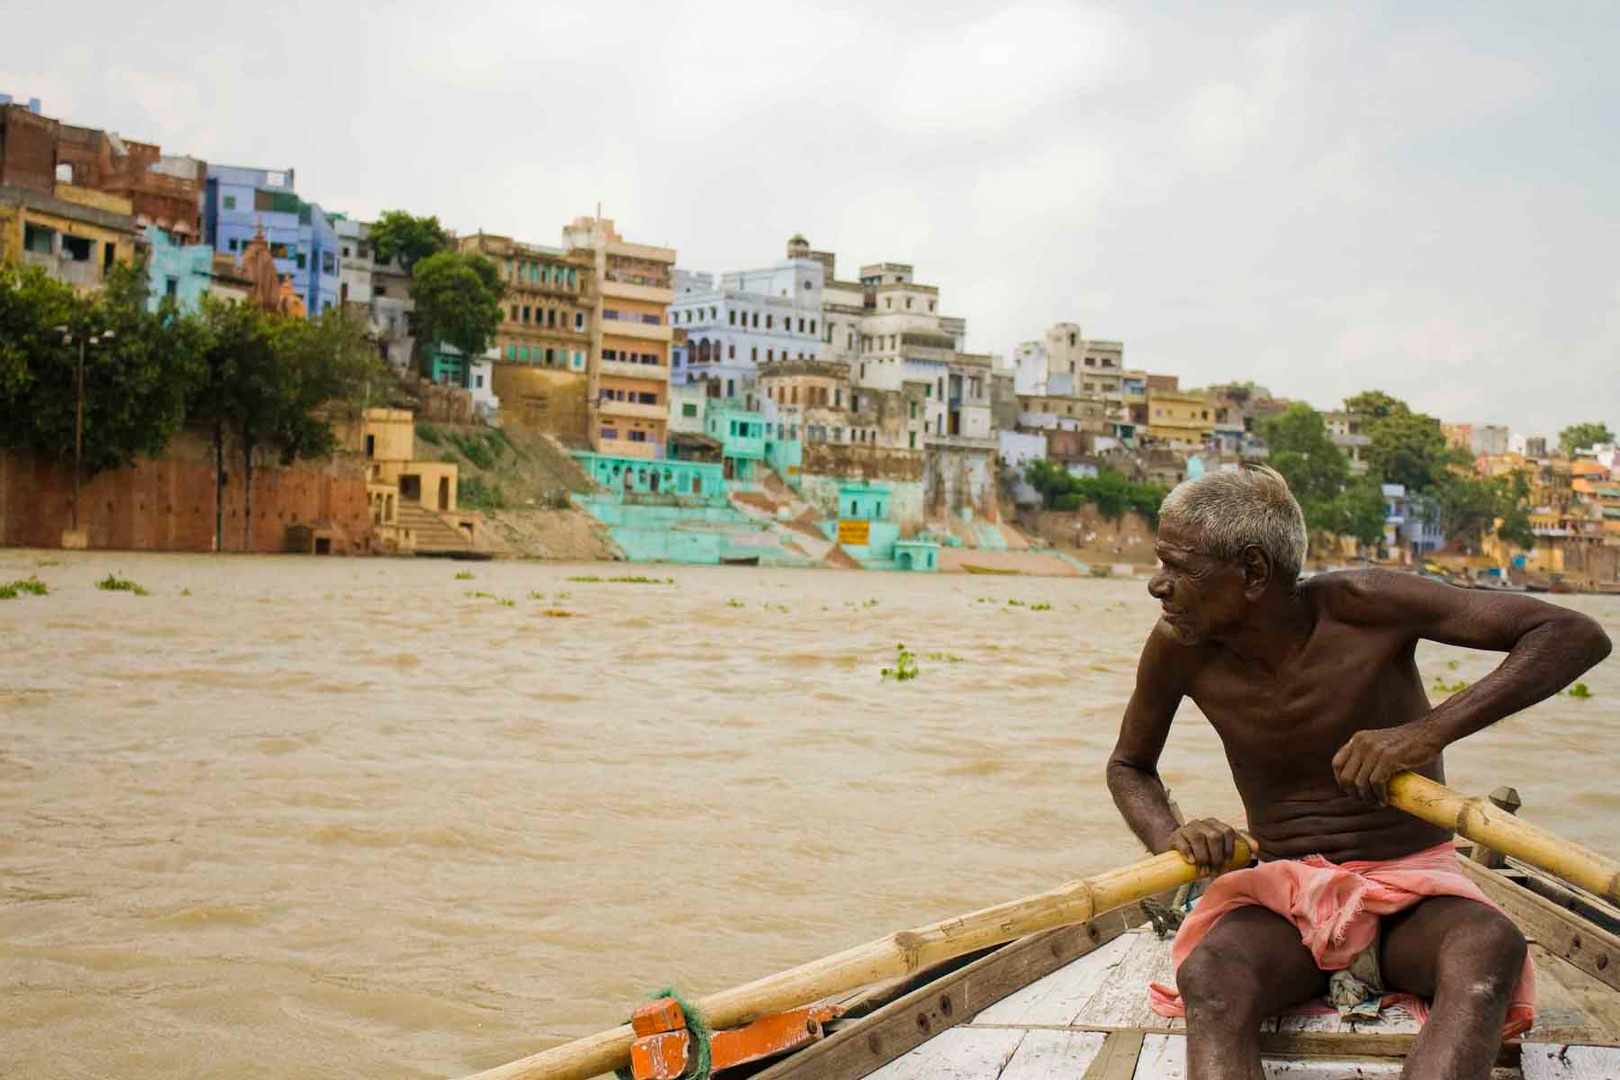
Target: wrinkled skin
1314, 690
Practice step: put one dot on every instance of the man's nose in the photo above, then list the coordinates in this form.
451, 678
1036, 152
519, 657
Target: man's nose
1159, 587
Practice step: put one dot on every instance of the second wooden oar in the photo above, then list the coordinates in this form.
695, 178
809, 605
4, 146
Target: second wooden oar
899, 954
1484, 823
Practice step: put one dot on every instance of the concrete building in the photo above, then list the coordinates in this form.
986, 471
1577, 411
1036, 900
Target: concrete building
749, 318
630, 336
303, 239
548, 303
73, 234
1179, 419
1349, 432
164, 190
181, 272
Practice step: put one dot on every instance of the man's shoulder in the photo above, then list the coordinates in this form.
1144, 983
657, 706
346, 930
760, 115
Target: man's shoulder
1368, 596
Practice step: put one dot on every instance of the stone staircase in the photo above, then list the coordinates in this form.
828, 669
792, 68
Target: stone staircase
431, 534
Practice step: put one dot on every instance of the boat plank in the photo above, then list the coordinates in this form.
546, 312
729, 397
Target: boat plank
1059, 997
1118, 1058
1044, 1055
1551, 1061
959, 1053
1556, 929
1164, 1057
1122, 999
929, 1010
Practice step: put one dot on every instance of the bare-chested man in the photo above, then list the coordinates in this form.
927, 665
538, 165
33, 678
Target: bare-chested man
1316, 695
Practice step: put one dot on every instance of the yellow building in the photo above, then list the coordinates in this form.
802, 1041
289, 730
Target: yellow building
549, 302
413, 502
1179, 418
75, 234
630, 339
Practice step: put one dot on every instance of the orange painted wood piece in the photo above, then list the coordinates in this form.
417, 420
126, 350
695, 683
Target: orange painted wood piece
661, 1056
770, 1035
662, 1014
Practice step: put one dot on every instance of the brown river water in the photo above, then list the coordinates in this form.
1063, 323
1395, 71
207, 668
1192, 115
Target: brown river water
295, 817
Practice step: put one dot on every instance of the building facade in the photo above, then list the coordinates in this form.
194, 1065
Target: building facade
628, 364
547, 305
303, 239
750, 318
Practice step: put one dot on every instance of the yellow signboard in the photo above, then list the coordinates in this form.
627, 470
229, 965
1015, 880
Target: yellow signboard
852, 531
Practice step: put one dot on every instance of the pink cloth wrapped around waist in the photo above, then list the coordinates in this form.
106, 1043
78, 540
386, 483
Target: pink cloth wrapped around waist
1336, 907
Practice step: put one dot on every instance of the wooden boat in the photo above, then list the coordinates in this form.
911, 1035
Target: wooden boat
1055, 984
1072, 1003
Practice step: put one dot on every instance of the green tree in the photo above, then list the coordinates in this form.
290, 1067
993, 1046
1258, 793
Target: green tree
1580, 436
275, 383
401, 235
1300, 448
1359, 511
1408, 448
1109, 491
458, 301
1514, 526
135, 383
1376, 404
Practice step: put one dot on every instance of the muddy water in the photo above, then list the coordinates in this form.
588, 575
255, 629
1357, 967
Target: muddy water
311, 818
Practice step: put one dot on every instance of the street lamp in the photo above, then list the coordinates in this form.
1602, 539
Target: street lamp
82, 339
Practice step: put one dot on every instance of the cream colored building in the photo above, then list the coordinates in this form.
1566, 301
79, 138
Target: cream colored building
1178, 418
630, 339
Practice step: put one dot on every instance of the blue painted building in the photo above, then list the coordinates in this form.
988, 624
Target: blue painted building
303, 240
181, 271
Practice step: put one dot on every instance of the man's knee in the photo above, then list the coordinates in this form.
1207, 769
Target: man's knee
1219, 986
1481, 957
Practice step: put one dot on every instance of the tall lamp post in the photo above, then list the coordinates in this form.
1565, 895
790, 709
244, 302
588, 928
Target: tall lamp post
83, 339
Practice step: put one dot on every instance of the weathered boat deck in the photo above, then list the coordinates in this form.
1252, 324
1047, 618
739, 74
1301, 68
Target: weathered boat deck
1092, 1014
1073, 1003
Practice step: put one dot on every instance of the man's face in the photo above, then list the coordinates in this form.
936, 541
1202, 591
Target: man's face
1200, 595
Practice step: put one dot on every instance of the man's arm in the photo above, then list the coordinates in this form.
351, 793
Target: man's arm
1133, 768
1547, 648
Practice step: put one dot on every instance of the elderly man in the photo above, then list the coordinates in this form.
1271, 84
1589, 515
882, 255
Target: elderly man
1315, 693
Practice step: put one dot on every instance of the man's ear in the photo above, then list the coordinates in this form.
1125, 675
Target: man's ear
1257, 571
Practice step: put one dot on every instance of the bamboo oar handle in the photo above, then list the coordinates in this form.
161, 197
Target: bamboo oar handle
894, 956
1485, 823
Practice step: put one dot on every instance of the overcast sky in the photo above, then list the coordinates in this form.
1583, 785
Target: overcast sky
1321, 201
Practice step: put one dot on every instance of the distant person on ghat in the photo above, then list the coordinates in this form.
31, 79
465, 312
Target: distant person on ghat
1314, 690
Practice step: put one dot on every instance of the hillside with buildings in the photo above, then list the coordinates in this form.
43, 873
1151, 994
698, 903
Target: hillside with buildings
794, 411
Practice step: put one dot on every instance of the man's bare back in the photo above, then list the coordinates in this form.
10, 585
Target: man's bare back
1314, 690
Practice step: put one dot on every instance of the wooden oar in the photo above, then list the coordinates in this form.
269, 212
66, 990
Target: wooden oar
899, 954
1485, 823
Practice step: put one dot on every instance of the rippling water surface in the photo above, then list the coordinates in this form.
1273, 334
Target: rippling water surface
307, 818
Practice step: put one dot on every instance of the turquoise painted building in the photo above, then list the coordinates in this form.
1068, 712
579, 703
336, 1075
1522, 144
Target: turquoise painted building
444, 363
741, 435
181, 271
920, 555
696, 483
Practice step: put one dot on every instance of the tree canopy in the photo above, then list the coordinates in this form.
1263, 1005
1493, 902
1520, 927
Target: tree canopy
410, 239
1580, 436
135, 382
458, 301
1110, 492
1376, 404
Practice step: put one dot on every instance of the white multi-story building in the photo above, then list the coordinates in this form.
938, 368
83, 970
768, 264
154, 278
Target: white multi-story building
748, 318
383, 292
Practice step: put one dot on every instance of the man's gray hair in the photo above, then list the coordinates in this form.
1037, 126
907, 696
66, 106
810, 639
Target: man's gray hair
1231, 510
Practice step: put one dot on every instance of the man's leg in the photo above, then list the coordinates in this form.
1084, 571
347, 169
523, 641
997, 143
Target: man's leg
1251, 965
1467, 958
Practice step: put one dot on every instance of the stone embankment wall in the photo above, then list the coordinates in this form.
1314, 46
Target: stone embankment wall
167, 503
1094, 537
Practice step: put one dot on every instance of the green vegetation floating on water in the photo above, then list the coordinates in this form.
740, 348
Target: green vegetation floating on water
1443, 687
943, 657
464, 575
558, 613
734, 602
114, 583
1580, 690
627, 579
905, 665
29, 585
1041, 606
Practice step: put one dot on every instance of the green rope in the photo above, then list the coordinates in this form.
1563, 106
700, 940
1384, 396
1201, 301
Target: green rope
698, 1067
